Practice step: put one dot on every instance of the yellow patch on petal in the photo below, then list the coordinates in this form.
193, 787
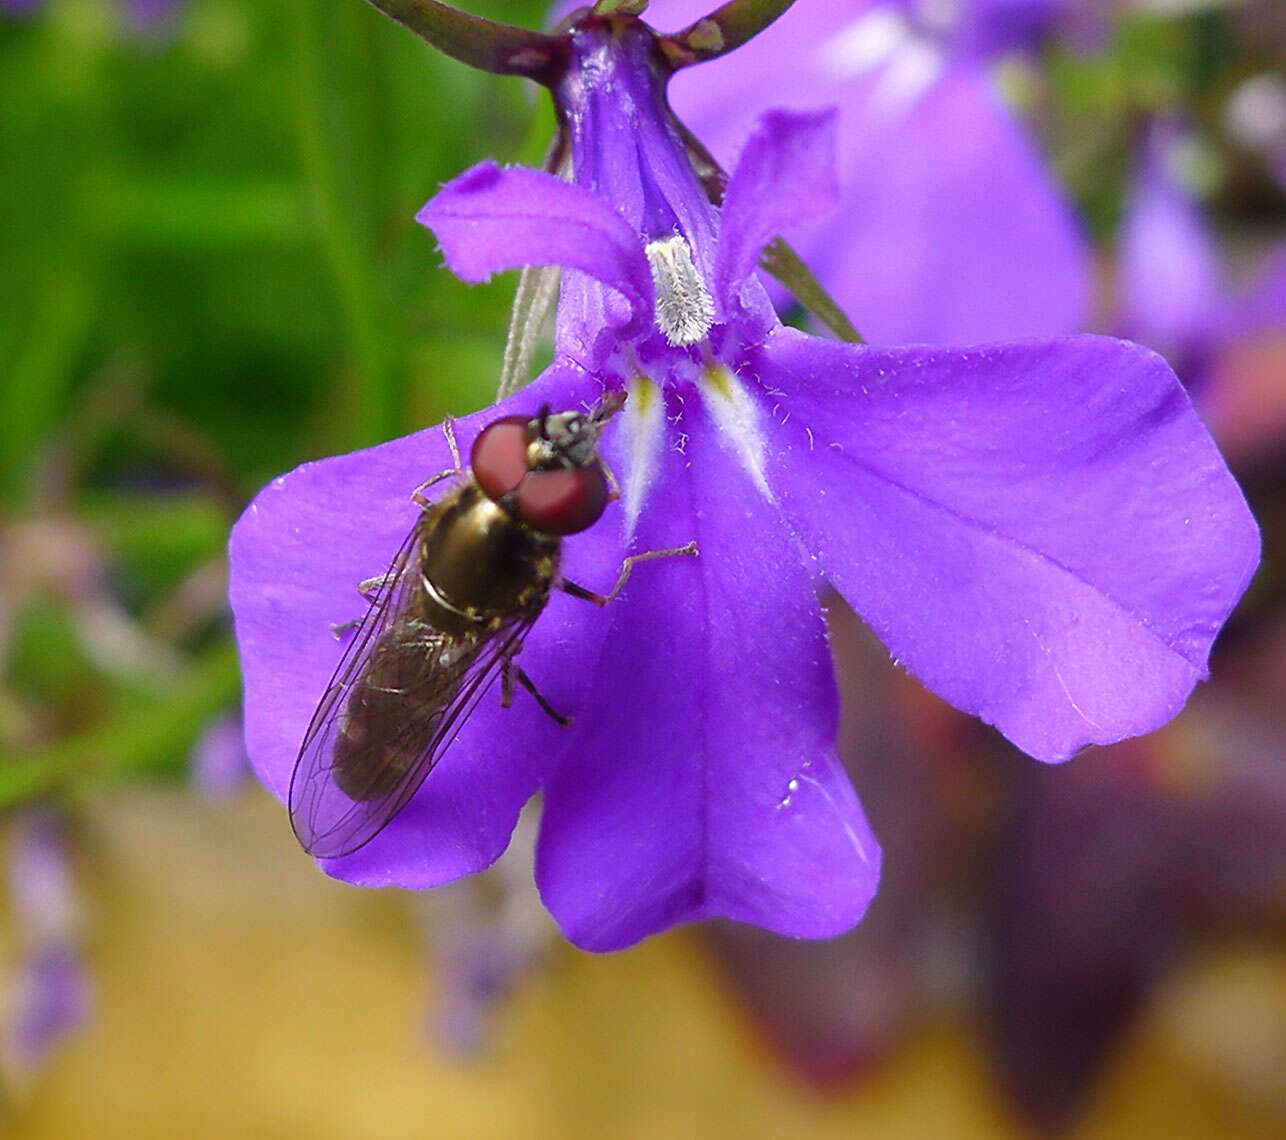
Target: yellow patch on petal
644, 428
738, 418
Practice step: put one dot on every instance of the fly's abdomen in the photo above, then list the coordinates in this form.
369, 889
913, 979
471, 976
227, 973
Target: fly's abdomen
393, 710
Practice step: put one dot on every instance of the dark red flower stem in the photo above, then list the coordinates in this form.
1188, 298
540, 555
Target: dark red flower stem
505, 49
502, 49
722, 31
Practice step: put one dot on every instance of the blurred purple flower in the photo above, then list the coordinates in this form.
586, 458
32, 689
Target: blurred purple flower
1109, 871
145, 16
219, 764
1084, 924
950, 230
50, 1000
1042, 532
50, 994
41, 886
1174, 291
153, 15
1171, 277
489, 935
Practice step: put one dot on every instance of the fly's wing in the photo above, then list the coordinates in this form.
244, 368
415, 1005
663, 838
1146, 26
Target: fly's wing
336, 809
313, 796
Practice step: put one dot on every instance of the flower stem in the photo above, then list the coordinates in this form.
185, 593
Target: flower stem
502, 49
779, 259
536, 296
39, 378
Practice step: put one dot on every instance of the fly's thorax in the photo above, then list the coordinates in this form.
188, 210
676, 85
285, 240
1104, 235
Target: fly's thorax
479, 562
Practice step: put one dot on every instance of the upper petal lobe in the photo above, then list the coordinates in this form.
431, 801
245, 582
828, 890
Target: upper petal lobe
949, 231
490, 219
785, 175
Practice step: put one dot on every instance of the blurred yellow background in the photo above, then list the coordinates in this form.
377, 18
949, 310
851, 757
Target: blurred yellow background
242, 993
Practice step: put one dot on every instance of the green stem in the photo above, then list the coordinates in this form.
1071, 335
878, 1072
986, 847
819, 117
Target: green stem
37, 383
779, 259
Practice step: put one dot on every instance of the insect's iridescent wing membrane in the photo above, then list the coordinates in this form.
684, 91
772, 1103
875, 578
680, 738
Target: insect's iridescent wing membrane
318, 807
328, 821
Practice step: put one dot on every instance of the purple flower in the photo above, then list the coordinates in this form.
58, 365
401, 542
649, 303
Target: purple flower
950, 230
489, 936
152, 15
219, 768
144, 16
51, 998
1174, 291
1042, 532
1171, 287
50, 993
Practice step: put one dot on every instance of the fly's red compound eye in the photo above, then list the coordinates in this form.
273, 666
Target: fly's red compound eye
563, 501
499, 456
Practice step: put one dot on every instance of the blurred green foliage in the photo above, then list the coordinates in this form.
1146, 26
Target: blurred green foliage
1093, 99
209, 272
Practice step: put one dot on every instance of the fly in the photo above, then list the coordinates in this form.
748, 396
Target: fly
460, 596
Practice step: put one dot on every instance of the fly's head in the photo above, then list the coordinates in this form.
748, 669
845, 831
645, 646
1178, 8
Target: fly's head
546, 470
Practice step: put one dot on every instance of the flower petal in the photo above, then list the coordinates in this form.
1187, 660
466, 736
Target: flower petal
785, 175
491, 219
703, 780
297, 557
1044, 533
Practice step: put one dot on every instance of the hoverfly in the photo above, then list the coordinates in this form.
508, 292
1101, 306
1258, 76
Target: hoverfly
461, 594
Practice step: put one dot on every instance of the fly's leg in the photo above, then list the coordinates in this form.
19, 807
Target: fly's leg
372, 586
418, 496
613, 487
510, 672
530, 685
368, 589
627, 568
